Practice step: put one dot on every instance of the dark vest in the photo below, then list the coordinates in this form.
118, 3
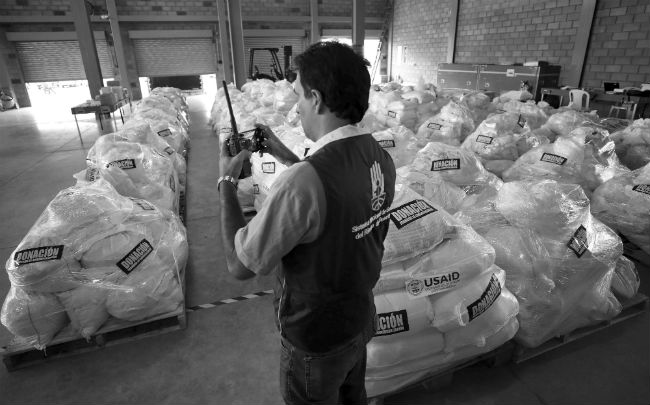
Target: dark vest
324, 293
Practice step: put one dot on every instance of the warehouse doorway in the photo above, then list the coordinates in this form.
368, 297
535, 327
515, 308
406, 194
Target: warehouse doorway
56, 98
180, 82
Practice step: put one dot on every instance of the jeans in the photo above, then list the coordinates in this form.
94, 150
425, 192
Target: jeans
334, 377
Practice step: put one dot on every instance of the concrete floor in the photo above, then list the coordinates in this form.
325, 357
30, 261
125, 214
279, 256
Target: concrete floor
229, 354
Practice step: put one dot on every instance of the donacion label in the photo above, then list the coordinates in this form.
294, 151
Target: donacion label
642, 188
578, 242
486, 300
124, 164
484, 139
445, 164
555, 159
39, 254
409, 212
132, 259
392, 322
387, 143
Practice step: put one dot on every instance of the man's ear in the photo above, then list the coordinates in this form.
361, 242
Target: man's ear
317, 98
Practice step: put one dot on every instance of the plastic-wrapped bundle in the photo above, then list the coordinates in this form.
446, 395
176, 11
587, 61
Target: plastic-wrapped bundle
378, 100
513, 95
170, 129
561, 270
416, 226
497, 167
159, 102
461, 256
479, 104
293, 118
422, 97
88, 246
441, 192
284, 98
384, 380
533, 115
459, 112
135, 170
175, 96
437, 129
399, 142
532, 139
625, 282
623, 203
139, 131
478, 210
564, 122
401, 112
633, 144
371, 123
33, 317
456, 165
496, 137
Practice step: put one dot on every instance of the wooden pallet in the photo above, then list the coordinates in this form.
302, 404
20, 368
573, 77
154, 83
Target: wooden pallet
635, 306
443, 378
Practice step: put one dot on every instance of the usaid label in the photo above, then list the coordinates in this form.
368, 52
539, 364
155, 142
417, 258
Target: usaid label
409, 212
445, 164
555, 159
484, 139
165, 133
39, 254
124, 164
392, 322
422, 287
435, 126
578, 242
132, 259
642, 188
387, 143
486, 300
268, 167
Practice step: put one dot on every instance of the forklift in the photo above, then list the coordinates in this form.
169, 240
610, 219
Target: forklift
276, 72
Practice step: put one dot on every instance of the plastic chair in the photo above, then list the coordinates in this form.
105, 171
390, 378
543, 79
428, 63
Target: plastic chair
628, 106
579, 98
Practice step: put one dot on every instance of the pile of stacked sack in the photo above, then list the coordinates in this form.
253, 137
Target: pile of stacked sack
493, 194
111, 248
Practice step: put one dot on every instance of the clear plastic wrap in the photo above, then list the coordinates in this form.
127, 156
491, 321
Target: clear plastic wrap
559, 259
166, 127
562, 123
92, 253
445, 194
134, 169
175, 96
284, 98
438, 129
633, 144
459, 112
496, 137
533, 115
416, 226
623, 203
399, 142
625, 281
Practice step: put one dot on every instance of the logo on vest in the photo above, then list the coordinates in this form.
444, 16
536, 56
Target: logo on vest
377, 183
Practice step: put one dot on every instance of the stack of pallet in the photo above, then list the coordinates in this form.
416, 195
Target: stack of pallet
110, 251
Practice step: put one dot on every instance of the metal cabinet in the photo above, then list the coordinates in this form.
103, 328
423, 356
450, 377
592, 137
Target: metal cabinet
497, 78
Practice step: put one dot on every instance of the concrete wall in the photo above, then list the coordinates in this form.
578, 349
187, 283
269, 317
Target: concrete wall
516, 31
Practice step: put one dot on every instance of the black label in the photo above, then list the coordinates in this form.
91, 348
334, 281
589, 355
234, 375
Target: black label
132, 259
392, 322
256, 189
387, 143
521, 121
434, 125
500, 111
165, 133
145, 205
169, 150
392, 114
484, 139
172, 183
409, 212
306, 151
92, 174
486, 300
124, 164
642, 188
445, 164
555, 159
578, 242
39, 254
268, 167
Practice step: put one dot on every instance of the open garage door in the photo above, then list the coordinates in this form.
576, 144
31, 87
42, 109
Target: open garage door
263, 59
175, 56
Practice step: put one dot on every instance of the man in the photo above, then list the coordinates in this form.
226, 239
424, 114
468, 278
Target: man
323, 227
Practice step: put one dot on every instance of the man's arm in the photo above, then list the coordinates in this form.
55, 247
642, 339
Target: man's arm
232, 217
277, 148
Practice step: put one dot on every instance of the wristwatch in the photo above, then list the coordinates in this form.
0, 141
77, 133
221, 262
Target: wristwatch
229, 179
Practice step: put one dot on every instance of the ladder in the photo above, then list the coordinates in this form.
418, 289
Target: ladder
383, 36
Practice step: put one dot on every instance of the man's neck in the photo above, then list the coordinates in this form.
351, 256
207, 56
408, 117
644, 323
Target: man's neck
329, 125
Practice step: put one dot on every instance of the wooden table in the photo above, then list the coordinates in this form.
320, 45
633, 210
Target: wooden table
100, 110
602, 97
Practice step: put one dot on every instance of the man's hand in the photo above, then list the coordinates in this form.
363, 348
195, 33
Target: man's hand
277, 149
231, 166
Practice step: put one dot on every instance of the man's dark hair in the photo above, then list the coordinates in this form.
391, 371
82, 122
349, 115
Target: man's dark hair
339, 74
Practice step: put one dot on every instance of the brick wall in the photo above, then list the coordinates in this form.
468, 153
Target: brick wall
619, 48
516, 31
